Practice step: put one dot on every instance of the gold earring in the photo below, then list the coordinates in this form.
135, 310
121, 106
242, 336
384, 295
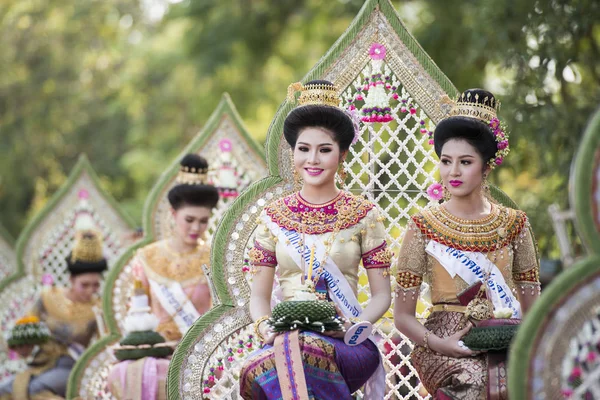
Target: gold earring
485, 186
296, 174
447, 194
342, 174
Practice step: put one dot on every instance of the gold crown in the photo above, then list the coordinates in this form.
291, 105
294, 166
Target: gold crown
470, 105
88, 247
192, 176
314, 94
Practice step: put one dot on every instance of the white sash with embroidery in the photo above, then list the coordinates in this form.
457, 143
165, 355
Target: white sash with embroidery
176, 303
472, 267
338, 287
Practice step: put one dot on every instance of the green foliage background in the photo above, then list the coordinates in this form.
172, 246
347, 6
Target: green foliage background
130, 86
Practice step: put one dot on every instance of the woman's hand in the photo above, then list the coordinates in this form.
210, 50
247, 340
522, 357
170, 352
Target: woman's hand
268, 334
346, 325
450, 346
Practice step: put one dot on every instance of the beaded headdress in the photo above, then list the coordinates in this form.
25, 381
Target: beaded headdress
322, 94
471, 104
314, 94
192, 176
87, 255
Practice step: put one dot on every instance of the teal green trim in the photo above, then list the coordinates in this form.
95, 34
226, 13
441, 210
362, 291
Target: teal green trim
82, 166
582, 181
531, 330
84, 360
8, 238
109, 319
188, 341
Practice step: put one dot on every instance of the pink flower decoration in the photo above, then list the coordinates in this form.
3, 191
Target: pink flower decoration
13, 355
435, 191
359, 98
83, 194
423, 131
430, 142
494, 123
47, 280
352, 107
591, 356
395, 96
225, 145
413, 110
503, 144
403, 109
206, 390
576, 373
377, 51
498, 160
567, 393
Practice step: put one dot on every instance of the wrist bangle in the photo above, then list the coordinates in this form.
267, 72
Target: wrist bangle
257, 325
426, 339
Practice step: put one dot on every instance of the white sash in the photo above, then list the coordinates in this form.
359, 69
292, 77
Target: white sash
338, 287
176, 303
472, 267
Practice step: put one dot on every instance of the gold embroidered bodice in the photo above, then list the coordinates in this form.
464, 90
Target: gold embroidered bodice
349, 226
503, 237
69, 321
160, 263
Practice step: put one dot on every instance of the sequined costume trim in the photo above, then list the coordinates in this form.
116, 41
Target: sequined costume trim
169, 264
533, 275
495, 231
294, 213
379, 257
259, 256
408, 280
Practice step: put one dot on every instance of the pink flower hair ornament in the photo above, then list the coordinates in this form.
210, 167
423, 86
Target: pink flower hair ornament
501, 136
435, 191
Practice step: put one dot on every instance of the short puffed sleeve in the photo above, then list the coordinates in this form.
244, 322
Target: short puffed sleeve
263, 251
412, 260
374, 248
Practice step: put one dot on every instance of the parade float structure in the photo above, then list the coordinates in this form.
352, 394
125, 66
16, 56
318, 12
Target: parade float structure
235, 160
44, 244
399, 94
556, 353
8, 257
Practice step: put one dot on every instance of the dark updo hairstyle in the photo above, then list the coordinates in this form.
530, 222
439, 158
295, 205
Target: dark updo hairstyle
331, 118
474, 131
198, 194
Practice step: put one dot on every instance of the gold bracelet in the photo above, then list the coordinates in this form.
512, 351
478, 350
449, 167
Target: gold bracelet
426, 339
257, 325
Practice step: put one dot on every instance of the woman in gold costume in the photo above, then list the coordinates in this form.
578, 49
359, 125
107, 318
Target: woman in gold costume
316, 238
461, 246
171, 269
69, 315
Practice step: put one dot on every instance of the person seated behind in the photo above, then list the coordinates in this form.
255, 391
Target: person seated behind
68, 313
171, 269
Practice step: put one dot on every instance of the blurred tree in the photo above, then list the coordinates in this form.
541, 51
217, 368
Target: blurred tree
102, 77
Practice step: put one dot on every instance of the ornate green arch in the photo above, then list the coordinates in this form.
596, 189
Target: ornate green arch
45, 241
421, 79
8, 259
556, 329
90, 372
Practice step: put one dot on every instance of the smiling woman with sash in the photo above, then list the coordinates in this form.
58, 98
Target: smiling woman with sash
316, 238
171, 269
478, 257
